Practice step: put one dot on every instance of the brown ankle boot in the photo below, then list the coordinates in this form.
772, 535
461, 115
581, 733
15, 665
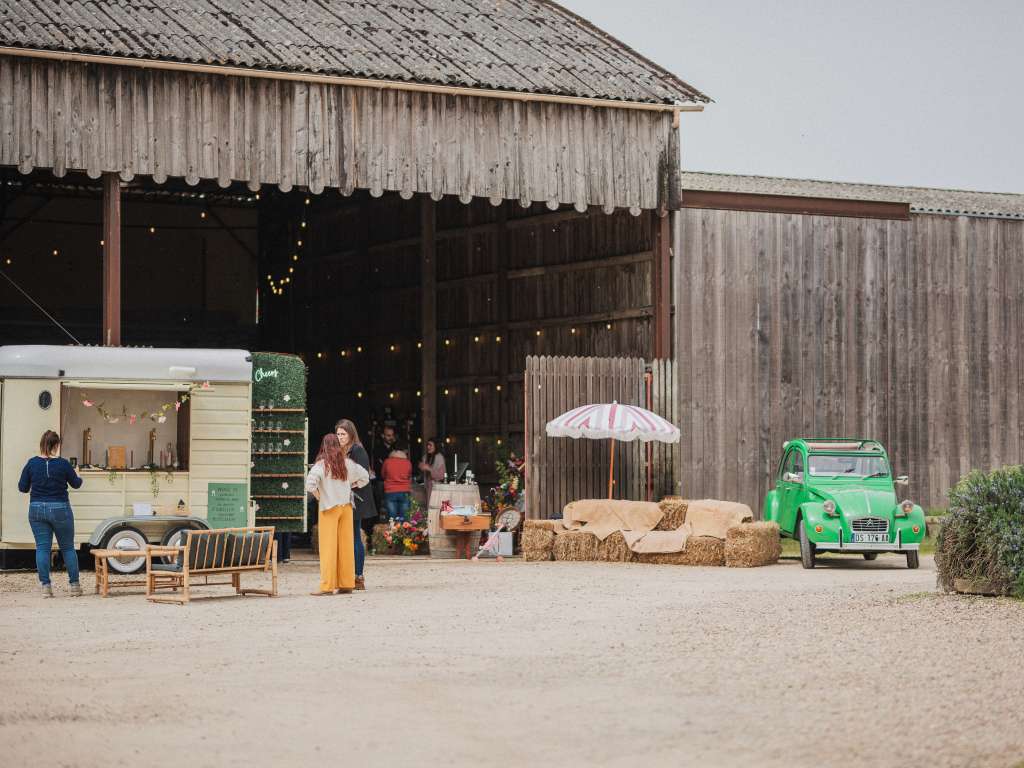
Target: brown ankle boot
360, 583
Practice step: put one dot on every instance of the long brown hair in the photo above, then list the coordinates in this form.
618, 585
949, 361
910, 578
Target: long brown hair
348, 426
333, 456
48, 442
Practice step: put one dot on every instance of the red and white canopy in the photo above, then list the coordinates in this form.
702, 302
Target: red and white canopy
613, 421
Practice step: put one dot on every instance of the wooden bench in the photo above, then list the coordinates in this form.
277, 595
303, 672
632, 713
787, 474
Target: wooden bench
209, 553
103, 570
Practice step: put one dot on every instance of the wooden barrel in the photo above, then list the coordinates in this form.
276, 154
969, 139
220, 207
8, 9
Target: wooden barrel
442, 544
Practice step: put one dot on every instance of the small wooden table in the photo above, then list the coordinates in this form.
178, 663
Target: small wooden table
103, 571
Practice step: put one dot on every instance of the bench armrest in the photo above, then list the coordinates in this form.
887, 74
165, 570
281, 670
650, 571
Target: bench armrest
163, 550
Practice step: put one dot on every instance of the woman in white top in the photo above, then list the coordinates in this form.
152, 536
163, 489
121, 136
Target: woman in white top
331, 480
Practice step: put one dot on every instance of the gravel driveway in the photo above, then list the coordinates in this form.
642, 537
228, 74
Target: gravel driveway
522, 664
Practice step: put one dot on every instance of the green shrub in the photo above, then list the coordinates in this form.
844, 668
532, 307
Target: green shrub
982, 538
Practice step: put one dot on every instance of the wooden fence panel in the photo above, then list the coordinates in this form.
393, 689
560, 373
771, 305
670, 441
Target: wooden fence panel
560, 470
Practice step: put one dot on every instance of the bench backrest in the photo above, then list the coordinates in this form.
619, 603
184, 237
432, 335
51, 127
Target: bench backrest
224, 548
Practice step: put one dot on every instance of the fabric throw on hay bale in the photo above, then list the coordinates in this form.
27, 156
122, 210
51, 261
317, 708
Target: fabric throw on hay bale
700, 550
673, 510
537, 544
576, 546
749, 545
614, 549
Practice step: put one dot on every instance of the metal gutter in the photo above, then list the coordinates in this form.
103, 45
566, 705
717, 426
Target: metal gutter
359, 82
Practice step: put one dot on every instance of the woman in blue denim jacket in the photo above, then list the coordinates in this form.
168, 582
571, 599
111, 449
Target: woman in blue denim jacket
47, 477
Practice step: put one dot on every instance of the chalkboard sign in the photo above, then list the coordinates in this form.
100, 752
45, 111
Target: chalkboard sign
226, 505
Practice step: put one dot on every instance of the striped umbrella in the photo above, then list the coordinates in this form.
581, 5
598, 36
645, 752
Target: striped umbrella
613, 421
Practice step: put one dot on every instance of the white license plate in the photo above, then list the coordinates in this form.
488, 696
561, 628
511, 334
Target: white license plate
870, 538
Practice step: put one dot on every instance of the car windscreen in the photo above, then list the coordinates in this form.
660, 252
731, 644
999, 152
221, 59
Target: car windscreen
854, 466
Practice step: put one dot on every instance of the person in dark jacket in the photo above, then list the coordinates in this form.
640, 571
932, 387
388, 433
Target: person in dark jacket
364, 510
46, 478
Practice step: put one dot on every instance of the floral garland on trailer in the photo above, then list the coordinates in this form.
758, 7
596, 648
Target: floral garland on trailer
159, 416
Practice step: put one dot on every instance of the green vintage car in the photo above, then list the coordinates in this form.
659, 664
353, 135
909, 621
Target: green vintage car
838, 495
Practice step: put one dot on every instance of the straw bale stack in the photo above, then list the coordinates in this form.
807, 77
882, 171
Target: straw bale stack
576, 545
749, 545
555, 526
614, 549
700, 550
674, 509
537, 544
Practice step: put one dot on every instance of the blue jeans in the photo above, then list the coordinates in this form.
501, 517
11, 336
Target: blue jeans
360, 550
49, 519
397, 505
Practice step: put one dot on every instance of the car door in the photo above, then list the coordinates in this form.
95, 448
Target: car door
789, 489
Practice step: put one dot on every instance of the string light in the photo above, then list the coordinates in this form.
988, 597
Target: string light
499, 441
572, 330
344, 353
419, 439
359, 349
478, 438
498, 387
103, 242
608, 326
391, 395
497, 339
419, 393
8, 262
359, 394
295, 257
307, 201
291, 270
419, 345
392, 348
538, 332
319, 355
300, 243
202, 214
303, 225
476, 390
257, 195
447, 342
56, 252
446, 392
152, 230
476, 339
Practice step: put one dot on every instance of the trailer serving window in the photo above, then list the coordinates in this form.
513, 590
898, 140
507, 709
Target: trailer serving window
126, 427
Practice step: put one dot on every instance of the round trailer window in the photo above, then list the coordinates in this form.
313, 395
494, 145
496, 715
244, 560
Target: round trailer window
45, 399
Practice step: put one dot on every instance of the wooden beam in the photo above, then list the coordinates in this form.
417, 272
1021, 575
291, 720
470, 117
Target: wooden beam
808, 206
111, 260
636, 313
503, 304
550, 269
428, 315
661, 288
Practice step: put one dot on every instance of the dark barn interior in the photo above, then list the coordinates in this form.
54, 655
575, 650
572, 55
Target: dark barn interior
338, 280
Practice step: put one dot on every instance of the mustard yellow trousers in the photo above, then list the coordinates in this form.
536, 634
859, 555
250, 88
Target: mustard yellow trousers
337, 548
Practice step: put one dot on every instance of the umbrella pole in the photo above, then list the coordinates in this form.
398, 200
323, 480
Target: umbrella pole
611, 469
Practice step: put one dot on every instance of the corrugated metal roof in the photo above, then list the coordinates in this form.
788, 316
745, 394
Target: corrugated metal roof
533, 46
949, 202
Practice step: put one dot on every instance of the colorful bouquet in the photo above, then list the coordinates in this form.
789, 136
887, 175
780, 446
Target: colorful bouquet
408, 537
511, 484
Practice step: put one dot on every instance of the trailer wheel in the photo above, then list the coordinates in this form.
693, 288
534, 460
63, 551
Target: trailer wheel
174, 538
126, 539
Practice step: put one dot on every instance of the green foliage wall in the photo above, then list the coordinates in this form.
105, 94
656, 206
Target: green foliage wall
279, 445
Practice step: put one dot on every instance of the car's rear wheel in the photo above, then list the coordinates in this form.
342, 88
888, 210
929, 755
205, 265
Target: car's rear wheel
913, 559
870, 555
806, 547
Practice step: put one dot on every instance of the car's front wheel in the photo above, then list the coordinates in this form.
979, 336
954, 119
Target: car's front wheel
806, 547
913, 559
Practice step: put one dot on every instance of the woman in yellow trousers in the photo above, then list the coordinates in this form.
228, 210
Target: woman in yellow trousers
331, 480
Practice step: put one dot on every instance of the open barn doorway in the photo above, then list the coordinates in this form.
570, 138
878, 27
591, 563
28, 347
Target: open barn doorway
341, 283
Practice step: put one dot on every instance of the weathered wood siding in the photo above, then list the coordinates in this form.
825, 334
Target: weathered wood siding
905, 331
560, 469
131, 121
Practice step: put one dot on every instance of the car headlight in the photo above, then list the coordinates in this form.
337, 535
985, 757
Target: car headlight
906, 507
829, 507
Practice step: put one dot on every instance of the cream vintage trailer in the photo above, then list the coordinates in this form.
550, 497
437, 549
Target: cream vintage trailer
152, 431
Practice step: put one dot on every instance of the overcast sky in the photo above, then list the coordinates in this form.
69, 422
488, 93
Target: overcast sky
917, 92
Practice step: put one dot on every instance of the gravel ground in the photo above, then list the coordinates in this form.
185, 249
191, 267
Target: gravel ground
521, 664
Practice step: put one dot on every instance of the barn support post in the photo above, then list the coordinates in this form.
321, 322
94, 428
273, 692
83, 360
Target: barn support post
502, 297
662, 288
111, 260
428, 318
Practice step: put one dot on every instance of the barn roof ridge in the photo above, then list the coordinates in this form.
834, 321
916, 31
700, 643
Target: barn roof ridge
934, 200
527, 46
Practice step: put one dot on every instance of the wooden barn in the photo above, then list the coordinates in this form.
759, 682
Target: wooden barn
413, 196
810, 308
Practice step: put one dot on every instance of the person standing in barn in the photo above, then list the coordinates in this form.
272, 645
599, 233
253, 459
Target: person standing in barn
364, 508
432, 466
331, 481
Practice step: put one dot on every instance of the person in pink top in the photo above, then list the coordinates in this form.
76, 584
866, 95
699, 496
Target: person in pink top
397, 475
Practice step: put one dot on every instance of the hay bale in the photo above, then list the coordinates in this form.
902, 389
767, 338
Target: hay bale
537, 544
555, 526
614, 549
674, 513
576, 546
700, 550
749, 545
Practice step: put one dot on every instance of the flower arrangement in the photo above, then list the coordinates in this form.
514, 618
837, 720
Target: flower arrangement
408, 537
511, 484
